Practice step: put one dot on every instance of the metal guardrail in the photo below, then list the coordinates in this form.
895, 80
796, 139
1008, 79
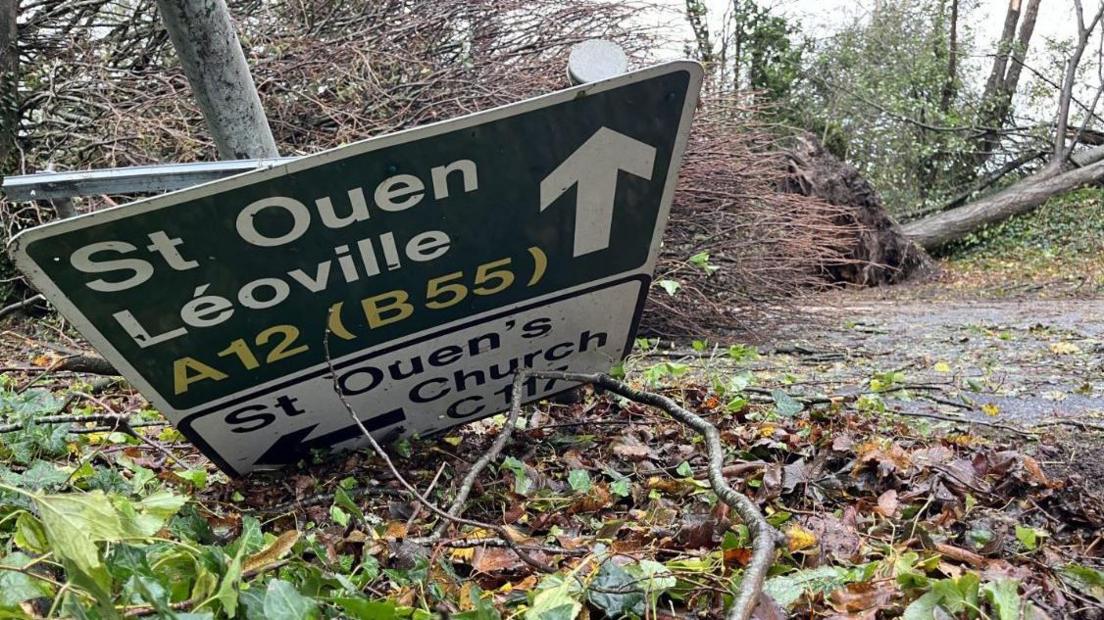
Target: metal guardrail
130, 180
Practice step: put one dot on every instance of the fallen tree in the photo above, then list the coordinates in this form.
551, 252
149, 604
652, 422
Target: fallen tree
1031, 192
1066, 169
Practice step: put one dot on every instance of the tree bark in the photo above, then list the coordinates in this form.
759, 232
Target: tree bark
1004, 77
696, 14
1004, 47
1019, 53
9, 84
952, 61
938, 230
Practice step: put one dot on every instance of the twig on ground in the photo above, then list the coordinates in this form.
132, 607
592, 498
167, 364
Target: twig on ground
414, 514
111, 419
20, 305
491, 455
502, 532
1085, 426
947, 418
765, 537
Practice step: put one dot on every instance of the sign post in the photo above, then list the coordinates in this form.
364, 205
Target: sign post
439, 261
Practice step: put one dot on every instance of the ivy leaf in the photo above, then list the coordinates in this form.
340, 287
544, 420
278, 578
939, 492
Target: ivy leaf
522, 483
1004, 596
249, 541
283, 602
785, 404
1028, 537
957, 595
615, 592
342, 500
42, 475
579, 480
16, 587
787, 589
922, 608
742, 352
196, 477
654, 578
701, 260
157, 508
363, 609
621, 487
1088, 580
557, 597
670, 286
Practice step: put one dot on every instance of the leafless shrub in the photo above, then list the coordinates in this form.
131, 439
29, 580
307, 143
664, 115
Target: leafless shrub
101, 88
764, 245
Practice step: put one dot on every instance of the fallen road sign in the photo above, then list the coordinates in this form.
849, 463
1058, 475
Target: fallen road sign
439, 260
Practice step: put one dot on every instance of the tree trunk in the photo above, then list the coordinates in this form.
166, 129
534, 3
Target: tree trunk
1004, 77
938, 230
952, 61
697, 15
9, 85
1027, 29
9, 119
1004, 47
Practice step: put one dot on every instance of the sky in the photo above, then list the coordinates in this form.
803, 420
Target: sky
821, 18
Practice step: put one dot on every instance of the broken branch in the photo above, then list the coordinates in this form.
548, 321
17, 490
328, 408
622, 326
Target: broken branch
764, 537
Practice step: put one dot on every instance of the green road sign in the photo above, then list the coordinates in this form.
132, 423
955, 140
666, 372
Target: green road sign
439, 259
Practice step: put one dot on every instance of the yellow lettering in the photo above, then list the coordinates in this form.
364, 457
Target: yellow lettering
182, 378
393, 304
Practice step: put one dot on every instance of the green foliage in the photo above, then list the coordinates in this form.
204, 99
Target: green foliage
654, 374
1087, 580
522, 482
875, 93
766, 53
616, 592
1069, 226
579, 480
701, 261
784, 404
787, 589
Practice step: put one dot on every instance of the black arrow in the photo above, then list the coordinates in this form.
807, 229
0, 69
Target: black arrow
295, 446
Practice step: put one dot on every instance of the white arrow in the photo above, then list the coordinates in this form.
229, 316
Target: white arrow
594, 167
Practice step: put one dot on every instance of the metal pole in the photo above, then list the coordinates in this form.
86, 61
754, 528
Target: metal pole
213, 60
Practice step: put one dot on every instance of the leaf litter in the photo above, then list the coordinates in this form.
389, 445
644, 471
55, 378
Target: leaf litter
884, 516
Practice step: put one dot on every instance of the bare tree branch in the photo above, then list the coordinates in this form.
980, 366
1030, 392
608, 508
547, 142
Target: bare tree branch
1061, 150
764, 537
502, 532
